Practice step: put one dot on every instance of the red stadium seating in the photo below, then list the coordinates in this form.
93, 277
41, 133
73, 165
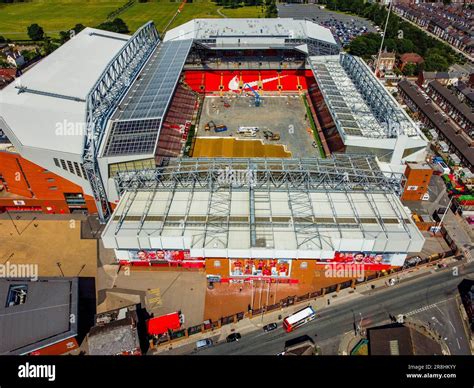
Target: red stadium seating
177, 123
210, 81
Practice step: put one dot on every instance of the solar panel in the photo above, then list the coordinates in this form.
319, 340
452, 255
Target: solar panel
132, 137
137, 121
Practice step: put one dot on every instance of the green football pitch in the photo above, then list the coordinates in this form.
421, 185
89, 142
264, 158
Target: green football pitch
61, 15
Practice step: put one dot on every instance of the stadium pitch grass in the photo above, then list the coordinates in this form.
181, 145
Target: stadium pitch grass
62, 15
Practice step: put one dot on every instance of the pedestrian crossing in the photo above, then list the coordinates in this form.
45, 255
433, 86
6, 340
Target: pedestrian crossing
425, 308
468, 255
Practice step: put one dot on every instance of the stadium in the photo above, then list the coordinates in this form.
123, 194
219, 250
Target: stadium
234, 139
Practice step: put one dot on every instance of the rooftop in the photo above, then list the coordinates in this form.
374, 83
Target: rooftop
248, 29
398, 340
55, 91
274, 214
458, 138
44, 317
136, 123
453, 100
360, 105
115, 333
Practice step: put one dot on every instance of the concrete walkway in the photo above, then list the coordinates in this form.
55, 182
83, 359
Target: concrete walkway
220, 13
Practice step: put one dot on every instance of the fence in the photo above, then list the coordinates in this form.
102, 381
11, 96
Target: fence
291, 300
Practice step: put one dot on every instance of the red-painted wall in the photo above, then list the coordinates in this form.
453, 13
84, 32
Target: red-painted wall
266, 80
35, 186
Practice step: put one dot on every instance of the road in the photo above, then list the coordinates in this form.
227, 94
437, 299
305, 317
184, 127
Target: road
408, 297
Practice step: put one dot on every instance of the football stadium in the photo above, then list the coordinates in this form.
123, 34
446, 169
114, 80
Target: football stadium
235, 139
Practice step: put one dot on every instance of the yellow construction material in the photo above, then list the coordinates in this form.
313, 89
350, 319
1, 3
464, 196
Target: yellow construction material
237, 148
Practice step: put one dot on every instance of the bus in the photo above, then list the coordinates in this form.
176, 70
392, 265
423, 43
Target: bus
298, 319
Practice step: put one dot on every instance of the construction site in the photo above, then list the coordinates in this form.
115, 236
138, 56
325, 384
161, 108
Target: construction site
239, 125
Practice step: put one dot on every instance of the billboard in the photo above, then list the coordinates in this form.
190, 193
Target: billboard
276, 268
145, 255
180, 258
370, 260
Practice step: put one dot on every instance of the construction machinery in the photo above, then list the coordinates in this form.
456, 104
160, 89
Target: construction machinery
257, 96
269, 135
210, 125
220, 128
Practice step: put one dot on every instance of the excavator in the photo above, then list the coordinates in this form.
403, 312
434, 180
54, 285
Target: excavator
210, 125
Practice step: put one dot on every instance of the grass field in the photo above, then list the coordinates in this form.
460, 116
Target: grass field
59, 15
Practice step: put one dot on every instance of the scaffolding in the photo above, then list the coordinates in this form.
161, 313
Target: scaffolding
297, 178
358, 102
339, 173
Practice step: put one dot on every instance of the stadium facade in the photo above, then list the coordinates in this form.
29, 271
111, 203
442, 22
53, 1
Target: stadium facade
108, 108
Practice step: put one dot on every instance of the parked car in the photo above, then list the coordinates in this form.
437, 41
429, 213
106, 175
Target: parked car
270, 327
203, 344
233, 337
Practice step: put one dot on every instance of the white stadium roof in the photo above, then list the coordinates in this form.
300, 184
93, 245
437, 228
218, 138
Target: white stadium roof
261, 29
180, 219
69, 73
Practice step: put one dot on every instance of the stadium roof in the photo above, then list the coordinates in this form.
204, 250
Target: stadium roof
250, 31
285, 208
43, 319
359, 104
137, 120
339, 221
56, 91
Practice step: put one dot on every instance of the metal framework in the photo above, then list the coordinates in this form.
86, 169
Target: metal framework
297, 177
339, 173
102, 99
382, 105
359, 104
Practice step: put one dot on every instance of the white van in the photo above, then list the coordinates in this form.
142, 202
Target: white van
247, 129
203, 344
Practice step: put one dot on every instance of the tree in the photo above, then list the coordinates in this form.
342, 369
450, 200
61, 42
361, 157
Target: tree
64, 36
35, 32
117, 25
271, 10
436, 62
409, 70
78, 28
2, 39
48, 47
358, 47
405, 46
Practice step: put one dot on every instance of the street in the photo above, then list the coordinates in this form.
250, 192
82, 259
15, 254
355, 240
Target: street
374, 307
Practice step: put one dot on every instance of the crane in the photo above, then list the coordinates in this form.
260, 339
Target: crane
257, 96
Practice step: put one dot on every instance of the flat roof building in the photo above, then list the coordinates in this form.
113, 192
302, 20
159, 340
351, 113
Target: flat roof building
37, 314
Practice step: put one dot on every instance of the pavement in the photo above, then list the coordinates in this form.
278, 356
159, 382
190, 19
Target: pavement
369, 304
27, 239
457, 228
160, 292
